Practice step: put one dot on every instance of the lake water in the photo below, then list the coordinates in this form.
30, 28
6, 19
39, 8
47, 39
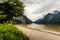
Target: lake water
47, 27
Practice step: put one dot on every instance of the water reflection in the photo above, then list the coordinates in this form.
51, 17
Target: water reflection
46, 27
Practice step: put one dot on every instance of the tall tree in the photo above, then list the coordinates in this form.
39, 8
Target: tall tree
10, 8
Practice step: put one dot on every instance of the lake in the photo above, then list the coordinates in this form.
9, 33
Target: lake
46, 27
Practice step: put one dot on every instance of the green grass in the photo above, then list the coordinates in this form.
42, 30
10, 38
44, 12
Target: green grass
9, 32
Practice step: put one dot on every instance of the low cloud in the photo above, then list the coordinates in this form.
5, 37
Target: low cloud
36, 9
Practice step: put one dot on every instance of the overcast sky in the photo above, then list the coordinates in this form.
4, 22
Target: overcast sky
35, 9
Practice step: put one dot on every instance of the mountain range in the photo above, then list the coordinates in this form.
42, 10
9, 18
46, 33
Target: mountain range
50, 18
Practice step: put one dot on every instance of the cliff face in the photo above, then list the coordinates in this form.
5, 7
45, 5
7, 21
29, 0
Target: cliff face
50, 18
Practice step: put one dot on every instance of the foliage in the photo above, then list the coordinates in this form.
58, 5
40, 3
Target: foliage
9, 32
11, 8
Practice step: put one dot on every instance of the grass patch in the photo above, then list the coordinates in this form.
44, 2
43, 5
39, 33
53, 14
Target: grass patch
9, 32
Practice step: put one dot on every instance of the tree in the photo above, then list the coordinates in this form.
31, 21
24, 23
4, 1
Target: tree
10, 8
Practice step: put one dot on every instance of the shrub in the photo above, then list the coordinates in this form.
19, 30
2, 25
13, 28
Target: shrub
9, 32
2, 17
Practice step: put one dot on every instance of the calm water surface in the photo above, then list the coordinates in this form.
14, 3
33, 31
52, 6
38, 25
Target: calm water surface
47, 27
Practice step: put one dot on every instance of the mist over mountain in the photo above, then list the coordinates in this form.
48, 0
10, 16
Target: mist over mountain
22, 20
37, 9
50, 18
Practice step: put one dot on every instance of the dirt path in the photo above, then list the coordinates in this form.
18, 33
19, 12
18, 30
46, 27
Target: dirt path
38, 35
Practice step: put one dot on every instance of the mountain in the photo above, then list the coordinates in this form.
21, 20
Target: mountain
23, 19
34, 9
28, 21
50, 18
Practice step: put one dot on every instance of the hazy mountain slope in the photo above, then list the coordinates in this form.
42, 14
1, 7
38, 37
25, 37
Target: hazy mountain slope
50, 18
23, 19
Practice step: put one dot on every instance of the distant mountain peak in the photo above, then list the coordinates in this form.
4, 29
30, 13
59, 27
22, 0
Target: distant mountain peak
50, 18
